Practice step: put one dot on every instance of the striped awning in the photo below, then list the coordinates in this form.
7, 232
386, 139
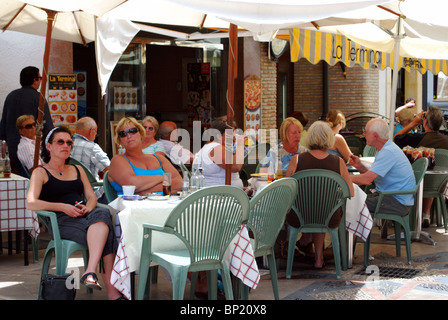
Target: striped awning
333, 48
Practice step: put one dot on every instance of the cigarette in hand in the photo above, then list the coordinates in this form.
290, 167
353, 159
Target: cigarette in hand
78, 203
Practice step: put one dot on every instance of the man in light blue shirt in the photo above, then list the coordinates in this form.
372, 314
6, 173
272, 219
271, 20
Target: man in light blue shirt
86, 151
391, 170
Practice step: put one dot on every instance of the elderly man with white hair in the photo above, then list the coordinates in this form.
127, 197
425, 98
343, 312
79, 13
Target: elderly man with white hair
391, 170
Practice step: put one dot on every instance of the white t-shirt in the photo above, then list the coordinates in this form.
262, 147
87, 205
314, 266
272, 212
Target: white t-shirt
215, 175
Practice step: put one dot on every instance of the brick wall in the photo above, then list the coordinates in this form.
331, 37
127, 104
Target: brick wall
356, 92
268, 89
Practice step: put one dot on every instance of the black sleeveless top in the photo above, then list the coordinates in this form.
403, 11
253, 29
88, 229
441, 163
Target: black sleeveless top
308, 161
55, 190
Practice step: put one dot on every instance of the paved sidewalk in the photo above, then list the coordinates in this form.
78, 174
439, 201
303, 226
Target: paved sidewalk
429, 281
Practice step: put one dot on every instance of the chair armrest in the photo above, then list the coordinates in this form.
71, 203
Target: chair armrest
53, 222
156, 227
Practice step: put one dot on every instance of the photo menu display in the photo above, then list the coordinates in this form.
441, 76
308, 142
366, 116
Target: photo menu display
62, 100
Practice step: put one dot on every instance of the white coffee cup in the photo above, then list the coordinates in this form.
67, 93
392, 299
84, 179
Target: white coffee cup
128, 190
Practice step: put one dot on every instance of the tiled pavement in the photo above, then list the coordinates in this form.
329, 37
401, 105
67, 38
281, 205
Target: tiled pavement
430, 282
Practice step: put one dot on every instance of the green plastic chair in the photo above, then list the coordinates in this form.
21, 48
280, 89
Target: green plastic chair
268, 209
109, 191
206, 221
356, 144
369, 151
434, 186
93, 181
320, 193
61, 248
419, 167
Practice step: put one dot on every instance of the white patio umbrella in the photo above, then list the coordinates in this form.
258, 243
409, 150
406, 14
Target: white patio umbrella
74, 20
405, 29
63, 20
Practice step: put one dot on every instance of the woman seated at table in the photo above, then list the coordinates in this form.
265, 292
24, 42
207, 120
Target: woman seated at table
290, 134
336, 120
65, 189
212, 157
144, 171
320, 138
150, 144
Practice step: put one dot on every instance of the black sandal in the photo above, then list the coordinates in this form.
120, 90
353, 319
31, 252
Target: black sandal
91, 284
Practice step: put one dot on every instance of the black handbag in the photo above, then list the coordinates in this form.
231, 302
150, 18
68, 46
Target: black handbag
58, 287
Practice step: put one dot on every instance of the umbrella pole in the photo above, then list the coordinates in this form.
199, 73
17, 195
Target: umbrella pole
395, 70
43, 86
232, 73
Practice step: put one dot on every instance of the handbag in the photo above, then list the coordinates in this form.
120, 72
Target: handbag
56, 287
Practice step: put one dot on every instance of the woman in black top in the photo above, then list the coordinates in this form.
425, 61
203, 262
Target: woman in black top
65, 189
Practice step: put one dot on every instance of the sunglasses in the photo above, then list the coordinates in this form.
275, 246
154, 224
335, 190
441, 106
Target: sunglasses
149, 128
29, 125
124, 133
61, 142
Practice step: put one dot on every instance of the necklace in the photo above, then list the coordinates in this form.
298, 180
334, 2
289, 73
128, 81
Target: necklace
58, 171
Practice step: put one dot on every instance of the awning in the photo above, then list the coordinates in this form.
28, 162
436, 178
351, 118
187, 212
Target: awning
333, 48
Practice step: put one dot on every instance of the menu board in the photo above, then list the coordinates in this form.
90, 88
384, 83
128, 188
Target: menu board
62, 100
252, 103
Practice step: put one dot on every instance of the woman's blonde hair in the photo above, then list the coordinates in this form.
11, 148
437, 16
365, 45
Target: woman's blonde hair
335, 117
285, 125
319, 136
123, 123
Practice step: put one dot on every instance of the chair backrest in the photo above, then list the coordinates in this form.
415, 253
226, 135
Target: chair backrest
369, 151
268, 209
321, 193
441, 157
356, 144
419, 167
109, 191
207, 221
89, 174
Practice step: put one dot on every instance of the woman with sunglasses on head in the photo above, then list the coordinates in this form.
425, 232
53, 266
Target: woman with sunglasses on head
144, 171
65, 189
151, 145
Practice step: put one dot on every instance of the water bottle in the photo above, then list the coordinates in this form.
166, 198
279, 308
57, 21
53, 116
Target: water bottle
201, 179
185, 185
2, 159
7, 166
194, 180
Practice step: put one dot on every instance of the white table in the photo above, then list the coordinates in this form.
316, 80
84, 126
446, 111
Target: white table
13, 213
133, 214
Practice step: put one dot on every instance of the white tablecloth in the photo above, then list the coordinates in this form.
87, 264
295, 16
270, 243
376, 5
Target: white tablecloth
357, 217
13, 213
133, 214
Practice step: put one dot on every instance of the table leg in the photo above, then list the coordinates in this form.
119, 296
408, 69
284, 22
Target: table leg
349, 250
26, 238
9, 242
